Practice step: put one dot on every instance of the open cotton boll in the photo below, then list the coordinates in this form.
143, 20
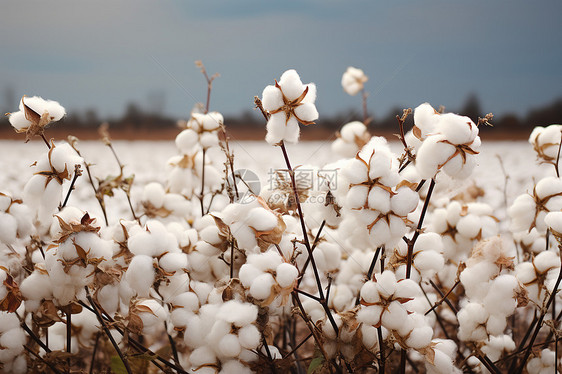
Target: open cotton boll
352, 130
457, 129
548, 186
353, 80
156, 316
248, 273
154, 193
265, 261
140, 274
404, 202
173, 261
212, 121
291, 84
431, 154
186, 141
276, 128
261, 219
355, 171
425, 118
8, 228
64, 157
261, 286
286, 274
272, 98
238, 313
357, 197
554, 221
229, 346
378, 199
249, 337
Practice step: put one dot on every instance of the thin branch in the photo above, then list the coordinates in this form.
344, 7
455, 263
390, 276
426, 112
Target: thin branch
51, 366
77, 173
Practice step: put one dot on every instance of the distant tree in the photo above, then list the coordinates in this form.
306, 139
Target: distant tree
472, 108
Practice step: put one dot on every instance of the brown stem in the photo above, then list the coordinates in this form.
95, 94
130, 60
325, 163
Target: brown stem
77, 173
93, 360
314, 244
443, 298
107, 332
51, 366
412, 241
45, 140
201, 195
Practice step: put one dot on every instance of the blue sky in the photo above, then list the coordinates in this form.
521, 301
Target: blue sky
107, 53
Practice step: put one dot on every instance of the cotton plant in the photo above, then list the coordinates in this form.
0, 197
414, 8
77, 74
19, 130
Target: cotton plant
288, 103
34, 115
449, 142
353, 80
376, 195
350, 139
492, 290
44, 190
461, 226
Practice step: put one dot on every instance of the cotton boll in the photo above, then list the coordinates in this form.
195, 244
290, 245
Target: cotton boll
292, 130
286, 275
496, 324
394, 317
208, 140
249, 337
229, 346
186, 141
307, 112
248, 273
469, 225
378, 199
420, 337
265, 261
201, 356
261, 286
171, 262
355, 171
425, 118
140, 274
272, 98
276, 128
261, 219
154, 193
8, 228
357, 197
457, 129
352, 130
404, 202
37, 286
291, 84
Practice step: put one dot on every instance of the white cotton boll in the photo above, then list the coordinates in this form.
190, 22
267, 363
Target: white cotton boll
469, 225
150, 319
65, 157
286, 275
370, 292
429, 262
36, 286
209, 140
186, 141
379, 233
521, 213
261, 219
212, 121
201, 356
496, 324
548, 186
272, 98
404, 202
292, 130
13, 339
5, 202
291, 84
248, 273
235, 366
554, 221
501, 295
343, 148
229, 346
379, 199
307, 112
355, 171
18, 121
211, 235
140, 274
108, 297
356, 197
546, 260
276, 128
420, 337
171, 262
154, 193
340, 297
249, 337
8, 228
425, 118
261, 286
351, 130
430, 156
406, 288
265, 261
394, 317
457, 129
460, 168
386, 283
237, 313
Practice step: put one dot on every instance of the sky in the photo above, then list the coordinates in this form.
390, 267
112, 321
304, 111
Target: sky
105, 54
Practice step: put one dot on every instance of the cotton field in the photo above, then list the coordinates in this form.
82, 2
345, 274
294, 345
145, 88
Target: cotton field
435, 253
